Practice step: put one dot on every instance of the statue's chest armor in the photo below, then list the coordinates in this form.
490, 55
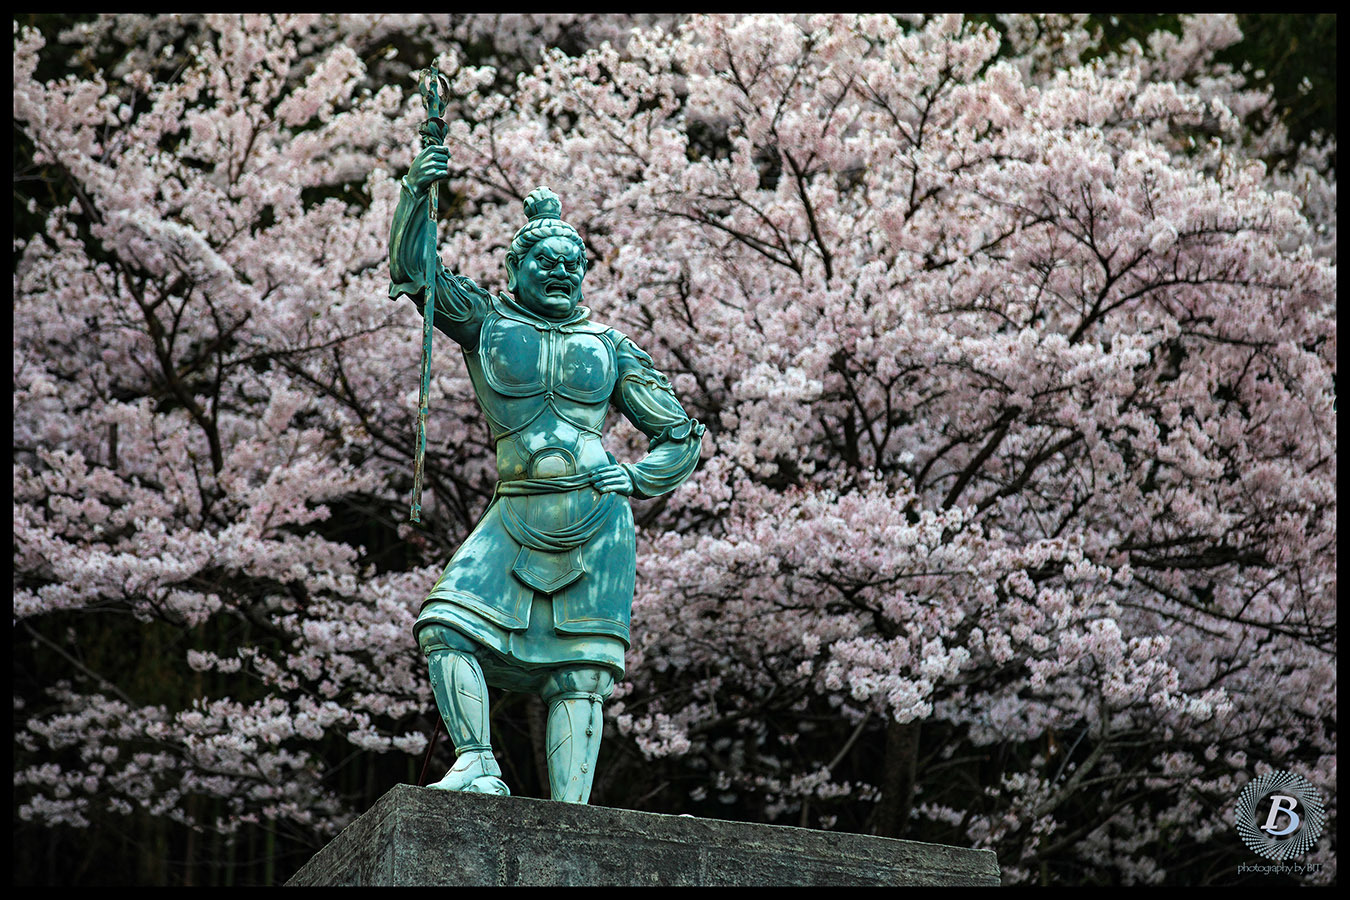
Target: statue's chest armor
525, 367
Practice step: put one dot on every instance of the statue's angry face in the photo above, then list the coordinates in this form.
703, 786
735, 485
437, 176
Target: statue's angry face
548, 280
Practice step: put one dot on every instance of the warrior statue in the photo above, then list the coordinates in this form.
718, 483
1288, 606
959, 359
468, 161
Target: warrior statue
538, 597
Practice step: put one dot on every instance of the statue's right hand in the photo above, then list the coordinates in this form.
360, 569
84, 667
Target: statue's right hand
430, 166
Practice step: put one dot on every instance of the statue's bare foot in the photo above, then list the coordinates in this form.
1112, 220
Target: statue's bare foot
476, 772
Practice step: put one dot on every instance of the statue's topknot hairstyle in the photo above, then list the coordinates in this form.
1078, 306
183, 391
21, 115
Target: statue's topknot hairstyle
543, 204
544, 211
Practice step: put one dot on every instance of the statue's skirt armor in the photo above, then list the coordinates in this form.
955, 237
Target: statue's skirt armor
545, 578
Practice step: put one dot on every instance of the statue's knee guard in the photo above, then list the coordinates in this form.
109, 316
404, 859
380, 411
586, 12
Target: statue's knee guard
579, 681
435, 636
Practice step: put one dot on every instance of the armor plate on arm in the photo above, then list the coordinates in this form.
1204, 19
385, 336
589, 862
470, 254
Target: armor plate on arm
645, 397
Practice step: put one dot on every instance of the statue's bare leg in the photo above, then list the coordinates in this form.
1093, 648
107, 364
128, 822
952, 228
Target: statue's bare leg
574, 696
461, 696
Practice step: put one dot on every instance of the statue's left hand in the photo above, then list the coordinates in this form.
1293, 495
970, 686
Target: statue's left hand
613, 479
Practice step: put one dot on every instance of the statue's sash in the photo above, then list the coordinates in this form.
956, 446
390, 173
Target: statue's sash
545, 517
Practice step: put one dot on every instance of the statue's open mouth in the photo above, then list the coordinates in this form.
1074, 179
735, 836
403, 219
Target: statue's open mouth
558, 287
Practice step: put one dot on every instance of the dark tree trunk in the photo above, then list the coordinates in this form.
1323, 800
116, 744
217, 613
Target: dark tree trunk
897, 779
537, 716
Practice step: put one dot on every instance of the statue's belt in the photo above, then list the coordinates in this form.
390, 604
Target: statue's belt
560, 540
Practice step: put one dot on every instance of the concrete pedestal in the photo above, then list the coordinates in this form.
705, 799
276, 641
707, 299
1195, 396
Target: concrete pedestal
418, 836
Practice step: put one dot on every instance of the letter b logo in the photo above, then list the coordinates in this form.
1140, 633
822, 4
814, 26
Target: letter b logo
1294, 815
1277, 806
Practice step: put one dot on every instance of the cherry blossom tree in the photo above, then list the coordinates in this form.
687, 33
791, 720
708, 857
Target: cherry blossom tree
1016, 527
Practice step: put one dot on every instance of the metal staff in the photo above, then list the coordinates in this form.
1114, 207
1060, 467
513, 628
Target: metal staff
434, 87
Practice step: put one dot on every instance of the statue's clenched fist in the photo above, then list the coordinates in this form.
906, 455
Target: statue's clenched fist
430, 166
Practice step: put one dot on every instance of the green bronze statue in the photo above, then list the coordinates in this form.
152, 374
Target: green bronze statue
538, 597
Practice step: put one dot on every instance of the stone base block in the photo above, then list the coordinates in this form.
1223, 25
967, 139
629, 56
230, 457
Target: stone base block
418, 836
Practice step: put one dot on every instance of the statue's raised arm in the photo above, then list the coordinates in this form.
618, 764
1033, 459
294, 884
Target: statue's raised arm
460, 304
